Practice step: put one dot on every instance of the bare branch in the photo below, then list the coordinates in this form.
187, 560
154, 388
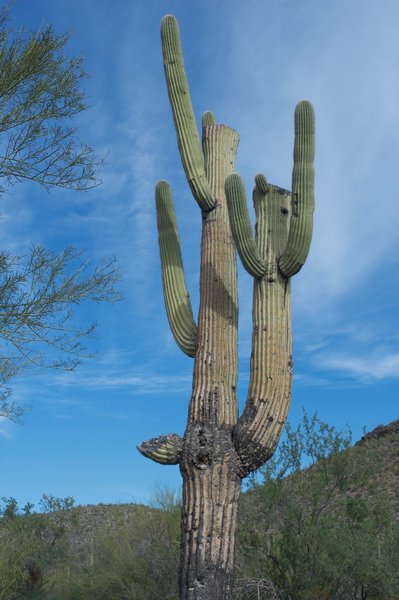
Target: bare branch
37, 297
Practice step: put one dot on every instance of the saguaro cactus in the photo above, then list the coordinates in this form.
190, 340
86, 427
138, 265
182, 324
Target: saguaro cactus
219, 448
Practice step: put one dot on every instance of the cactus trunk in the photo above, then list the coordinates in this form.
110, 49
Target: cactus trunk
210, 503
211, 485
219, 448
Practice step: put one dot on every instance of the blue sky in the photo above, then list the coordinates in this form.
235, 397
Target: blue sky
249, 62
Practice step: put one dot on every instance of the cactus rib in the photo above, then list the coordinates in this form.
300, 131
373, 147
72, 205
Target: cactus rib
300, 235
177, 299
259, 427
241, 226
183, 115
219, 447
261, 183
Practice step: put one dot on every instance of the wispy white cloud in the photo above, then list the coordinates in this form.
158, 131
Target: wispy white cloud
377, 367
344, 60
148, 383
311, 380
115, 370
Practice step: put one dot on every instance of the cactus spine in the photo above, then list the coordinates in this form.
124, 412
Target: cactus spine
219, 448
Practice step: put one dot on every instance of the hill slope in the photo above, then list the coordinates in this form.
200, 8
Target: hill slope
383, 442
327, 531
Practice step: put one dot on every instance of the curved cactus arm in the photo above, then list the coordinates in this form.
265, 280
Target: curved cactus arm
177, 299
301, 224
165, 449
183, 115
241, 226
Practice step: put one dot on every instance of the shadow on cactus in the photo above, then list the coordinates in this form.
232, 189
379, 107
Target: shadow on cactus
219, 447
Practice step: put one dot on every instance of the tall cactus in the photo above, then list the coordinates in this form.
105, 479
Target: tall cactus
219, 448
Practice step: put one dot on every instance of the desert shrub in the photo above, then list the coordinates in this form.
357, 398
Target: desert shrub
315, 524
30, 545
318, 532
135, 562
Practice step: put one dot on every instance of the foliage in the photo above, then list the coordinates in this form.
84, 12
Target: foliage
29, 544
323, 532
49, 503
123, 560
319, 532
37, 296
127, 562
40, 91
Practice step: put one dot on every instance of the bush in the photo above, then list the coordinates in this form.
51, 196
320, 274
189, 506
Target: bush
29, 544
138, 561
318, 532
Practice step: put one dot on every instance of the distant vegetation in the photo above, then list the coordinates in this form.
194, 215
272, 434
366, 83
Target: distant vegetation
331, 530
321, 521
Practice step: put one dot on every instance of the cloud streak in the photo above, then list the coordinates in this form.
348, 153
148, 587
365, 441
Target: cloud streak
365, 369
346, 68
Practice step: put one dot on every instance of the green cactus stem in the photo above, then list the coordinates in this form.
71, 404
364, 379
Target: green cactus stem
241, 227
259, 427
283, 234
261, 183
298, 244
208, 119
219, 447
177, 299
183, 115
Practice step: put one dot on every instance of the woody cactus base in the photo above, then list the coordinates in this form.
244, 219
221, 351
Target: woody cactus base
219, 447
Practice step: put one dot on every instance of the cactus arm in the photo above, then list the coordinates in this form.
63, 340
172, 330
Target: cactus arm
241, 225
183, 115
258, 428
177, 299
283, 236
165, 449
301, 225
261, 183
